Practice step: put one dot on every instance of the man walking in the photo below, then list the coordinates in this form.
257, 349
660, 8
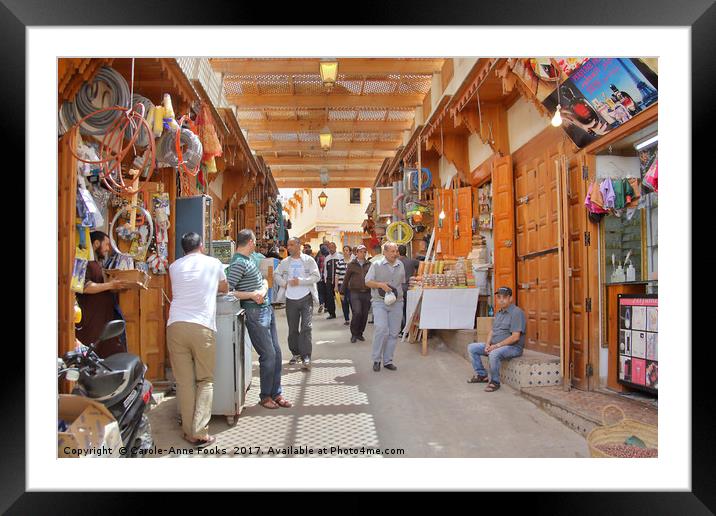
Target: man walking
296, 277
321, 285
333, 273
411, 269
505, 340
359, 292
385, 278
348, 257
196, 279
251, 288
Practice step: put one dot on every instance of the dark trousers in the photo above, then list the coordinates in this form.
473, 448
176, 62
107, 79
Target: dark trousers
405, 304
346, 304
330, 294
299, 313
360, 305
321, 286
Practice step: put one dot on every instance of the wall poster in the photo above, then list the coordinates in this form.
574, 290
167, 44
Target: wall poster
638, 364
597, 95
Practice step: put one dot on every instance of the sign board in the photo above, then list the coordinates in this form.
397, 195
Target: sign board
384, 201
637, 324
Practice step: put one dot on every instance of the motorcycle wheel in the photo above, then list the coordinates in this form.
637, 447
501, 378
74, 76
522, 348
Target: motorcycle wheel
144, 440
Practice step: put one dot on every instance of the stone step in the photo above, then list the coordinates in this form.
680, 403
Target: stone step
574, 419
532, 369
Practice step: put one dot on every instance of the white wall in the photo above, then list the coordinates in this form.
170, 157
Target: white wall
617, 167
338, 215
524, 122
477, 151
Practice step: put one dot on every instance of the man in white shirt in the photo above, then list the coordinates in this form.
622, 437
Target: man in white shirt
191, 334
296, 277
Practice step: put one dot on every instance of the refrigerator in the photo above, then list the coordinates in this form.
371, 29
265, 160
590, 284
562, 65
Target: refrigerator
233, 371
193, 214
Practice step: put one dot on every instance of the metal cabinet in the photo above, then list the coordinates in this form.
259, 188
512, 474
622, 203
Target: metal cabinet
233, 371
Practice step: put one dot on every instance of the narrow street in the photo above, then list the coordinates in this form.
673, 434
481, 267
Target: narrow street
343, 403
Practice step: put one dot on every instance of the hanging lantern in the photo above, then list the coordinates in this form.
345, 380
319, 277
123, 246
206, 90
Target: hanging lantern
326, 138
322, 199
329, 72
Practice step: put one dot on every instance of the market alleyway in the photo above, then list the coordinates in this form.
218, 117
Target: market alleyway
425, 408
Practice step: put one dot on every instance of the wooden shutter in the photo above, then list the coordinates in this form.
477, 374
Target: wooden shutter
251, 216
504, 227
66, 213
152, 334
463, 244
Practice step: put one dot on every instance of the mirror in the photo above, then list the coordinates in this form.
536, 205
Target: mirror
112, 329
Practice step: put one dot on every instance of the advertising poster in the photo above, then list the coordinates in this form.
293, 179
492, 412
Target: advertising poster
540, 75
638, 364
600, 95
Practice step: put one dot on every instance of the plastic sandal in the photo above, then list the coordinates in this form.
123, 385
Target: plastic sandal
492, 387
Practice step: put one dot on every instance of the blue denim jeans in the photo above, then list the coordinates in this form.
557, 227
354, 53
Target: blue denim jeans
495, 357
387, 326
261, 325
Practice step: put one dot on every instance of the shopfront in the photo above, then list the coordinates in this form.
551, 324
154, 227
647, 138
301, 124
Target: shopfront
507, 199
145, 202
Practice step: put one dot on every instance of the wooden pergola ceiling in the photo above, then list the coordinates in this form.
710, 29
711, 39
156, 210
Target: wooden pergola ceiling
283, 105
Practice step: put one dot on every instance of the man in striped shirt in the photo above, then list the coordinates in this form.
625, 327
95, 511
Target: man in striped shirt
248, 285
334, 272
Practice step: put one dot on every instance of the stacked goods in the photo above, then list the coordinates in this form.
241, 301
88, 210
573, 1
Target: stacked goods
479, 254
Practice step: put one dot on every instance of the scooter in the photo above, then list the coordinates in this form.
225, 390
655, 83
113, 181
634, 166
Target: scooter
118, 383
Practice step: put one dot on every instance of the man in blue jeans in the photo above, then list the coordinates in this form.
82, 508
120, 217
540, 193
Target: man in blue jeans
505, 340
248, 285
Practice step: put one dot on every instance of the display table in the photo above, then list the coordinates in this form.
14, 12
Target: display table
443, 309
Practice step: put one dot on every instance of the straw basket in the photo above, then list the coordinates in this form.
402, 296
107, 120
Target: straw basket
617, 433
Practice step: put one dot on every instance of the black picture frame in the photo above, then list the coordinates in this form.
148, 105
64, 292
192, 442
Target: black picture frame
625, 382
699, 15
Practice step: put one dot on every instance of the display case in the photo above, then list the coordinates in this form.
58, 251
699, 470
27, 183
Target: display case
638, 360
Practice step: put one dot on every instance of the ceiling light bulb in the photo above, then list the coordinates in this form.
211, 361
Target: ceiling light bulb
442, 214
557, 118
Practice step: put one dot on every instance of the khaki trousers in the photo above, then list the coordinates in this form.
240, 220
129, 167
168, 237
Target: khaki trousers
192, 351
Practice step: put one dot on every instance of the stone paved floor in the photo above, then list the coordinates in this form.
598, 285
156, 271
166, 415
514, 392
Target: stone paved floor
590, 404
425, 408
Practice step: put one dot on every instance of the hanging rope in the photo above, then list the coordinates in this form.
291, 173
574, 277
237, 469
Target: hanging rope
111, 152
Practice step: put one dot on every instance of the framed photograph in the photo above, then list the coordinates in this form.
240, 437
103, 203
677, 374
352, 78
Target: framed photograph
339, 402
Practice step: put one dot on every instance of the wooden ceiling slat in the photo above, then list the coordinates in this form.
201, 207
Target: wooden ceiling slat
358, 66
325, 101
275, 146
322, 161
336, 126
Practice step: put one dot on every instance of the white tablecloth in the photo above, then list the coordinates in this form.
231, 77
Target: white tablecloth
445, 309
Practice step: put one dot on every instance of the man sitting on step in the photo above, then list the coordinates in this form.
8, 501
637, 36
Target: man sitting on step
505, 340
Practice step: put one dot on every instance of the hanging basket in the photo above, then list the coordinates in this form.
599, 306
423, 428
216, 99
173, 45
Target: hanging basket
616, 434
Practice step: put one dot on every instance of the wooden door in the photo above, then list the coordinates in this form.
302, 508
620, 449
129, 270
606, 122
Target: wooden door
130, 306
504, 226
463, 243
152, 325
578, 275
536, 233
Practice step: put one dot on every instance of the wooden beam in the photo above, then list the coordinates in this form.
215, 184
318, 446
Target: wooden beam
316, 183
298, 162
316, 173
348, 66
336, 126
326, 101
278, 146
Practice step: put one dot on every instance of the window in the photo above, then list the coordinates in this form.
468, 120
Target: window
355, 195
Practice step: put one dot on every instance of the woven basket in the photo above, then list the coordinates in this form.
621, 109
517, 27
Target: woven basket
617, 433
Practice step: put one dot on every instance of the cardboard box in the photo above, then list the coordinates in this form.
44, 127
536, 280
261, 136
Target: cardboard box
484, 326
93, 432
140, 278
